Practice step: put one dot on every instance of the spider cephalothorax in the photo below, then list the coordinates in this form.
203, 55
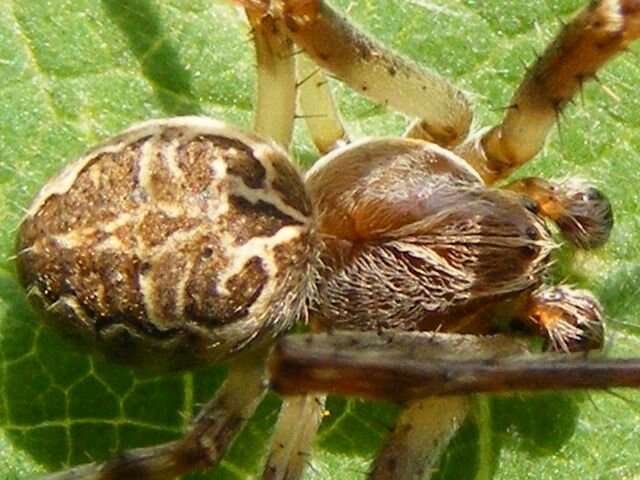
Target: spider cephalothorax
414, 240
186, 241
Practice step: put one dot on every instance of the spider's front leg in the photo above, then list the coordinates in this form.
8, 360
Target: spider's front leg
600, 32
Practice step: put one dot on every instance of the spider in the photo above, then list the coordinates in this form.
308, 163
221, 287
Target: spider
307, 262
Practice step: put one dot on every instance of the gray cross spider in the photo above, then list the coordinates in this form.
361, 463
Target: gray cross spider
185, 242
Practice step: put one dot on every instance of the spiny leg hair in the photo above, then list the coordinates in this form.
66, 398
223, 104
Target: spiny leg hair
597, 34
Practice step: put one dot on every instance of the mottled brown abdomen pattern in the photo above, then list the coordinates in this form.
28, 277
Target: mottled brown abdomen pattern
184, 237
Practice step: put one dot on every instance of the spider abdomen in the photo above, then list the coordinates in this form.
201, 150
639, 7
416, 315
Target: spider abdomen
413, 239
180, 240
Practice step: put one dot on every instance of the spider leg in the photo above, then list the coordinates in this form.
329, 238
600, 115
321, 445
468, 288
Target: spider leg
276, 78
299, 419
598, 33
581, 212
205, 442
385, 77
295, 431
422, 431
318, 107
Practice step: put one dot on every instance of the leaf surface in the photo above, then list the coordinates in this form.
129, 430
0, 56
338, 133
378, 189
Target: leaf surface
74, 72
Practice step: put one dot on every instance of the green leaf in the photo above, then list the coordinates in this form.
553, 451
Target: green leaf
74, 72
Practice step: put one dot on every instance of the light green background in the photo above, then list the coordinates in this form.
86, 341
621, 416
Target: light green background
73, 72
